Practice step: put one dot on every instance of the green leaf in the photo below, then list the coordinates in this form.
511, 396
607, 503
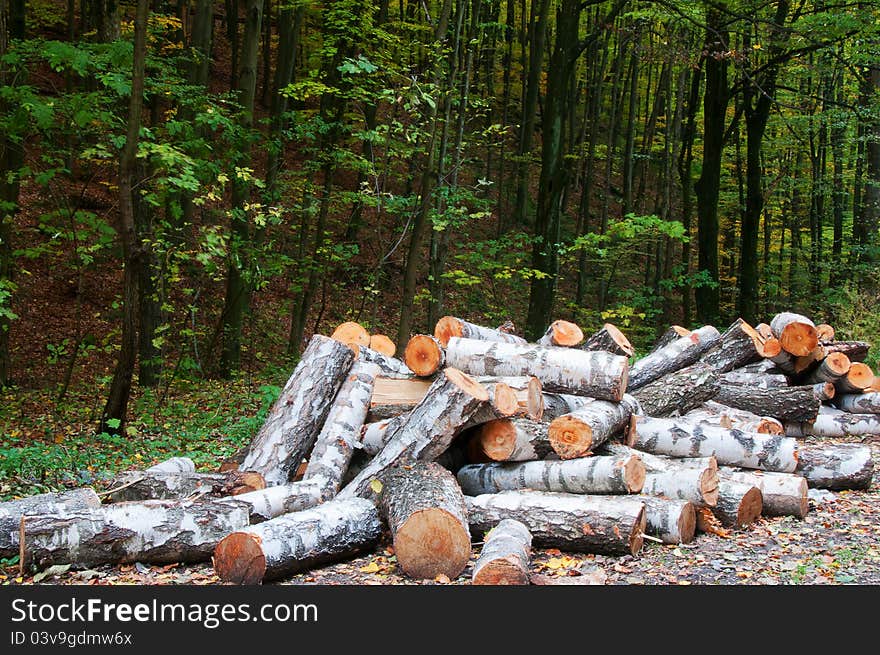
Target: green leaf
113, 423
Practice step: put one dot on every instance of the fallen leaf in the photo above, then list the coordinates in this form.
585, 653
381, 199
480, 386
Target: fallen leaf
442, 579
372, 567
57, 569
622, 569
376, 486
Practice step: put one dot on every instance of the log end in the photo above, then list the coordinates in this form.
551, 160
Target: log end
860, 376
570, 437
620, 339
432, 542
466, 383
770, 348
565, 333
798, 338
423, 355
495, 440
504, 399
501, 571
837, 364
351, 333
687, 523
634, 474
446, 328
383, 344
750, 508
239, 559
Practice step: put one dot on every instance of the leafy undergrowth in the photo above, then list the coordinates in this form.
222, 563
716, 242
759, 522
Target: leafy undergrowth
47, 446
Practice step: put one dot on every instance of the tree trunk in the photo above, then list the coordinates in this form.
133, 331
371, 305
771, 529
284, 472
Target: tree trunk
449, 326
838, 424
292, 426
739, 504
677, 438
60, 503
505, 556
678, 354
783, 494
609, 525
672, 333
838, 466
866, 403
610, 339
672, 521
298, 541
755, 380
426, 514
739, 345
785, 404
584, 475
678, 392
579, 432
567, 370
713, 413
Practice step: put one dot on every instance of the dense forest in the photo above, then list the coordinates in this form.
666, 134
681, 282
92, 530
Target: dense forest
190, 189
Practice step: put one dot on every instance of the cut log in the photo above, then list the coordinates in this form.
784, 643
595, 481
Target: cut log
425, 511
756, 380
824, 391
424, 355
857, 351
858, 378
795, 332
341, 432
375, 435
63, 502
864, 403
771, 348
713, 413
739, 345
382, 343
429, 429
270, 502
841, 424
130, 486
233, 462
585, 475
670, 520
673, 333
825, 332
783, 360
332, 531
761, 366
564, 370
563, 334
836, 466
672, 357
739, 504
678, 438
783, 494
609, 339
805, 365
390, 367
528, 390
295, 419
510, 440
786, 404
153, 531
875, 385
558, 404
351, 333
505, 556
502, 404
659, 463
611, 525
696, 485
173, 465
450, 326
678, 392
577, 433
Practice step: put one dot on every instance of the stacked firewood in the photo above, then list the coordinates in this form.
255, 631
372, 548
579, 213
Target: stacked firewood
479, 436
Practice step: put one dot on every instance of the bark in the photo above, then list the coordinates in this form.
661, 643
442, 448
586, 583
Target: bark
786, 404
584, 475
857, 351
673, 333
678, 354
429, 429
563, 334
739, 504
528, 391
174, 465
755, 380
566, 370
678, 392
842, 424
673, 521
424, 355
831, 369
295, 419
713, 413
505, 556
265, 504
153, 531
341, 432
426, 514
610, 525
298, 541
838, 466
609, 339
866, 403
662, 463
695, 485
510, 440
795, 332
783, 494
677, 438
375, 435
579, 432
59, 503
739, 345
146, 485
389, 367
449, 326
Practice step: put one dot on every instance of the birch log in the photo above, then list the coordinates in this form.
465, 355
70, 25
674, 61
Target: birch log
672, 333
609, 339
670, 520
528, 390
563, 334
739, 345
655, 463
426, 514
505, 556
173, 465
340, 434
787, 404
858, 378
857, 351
585, 475
295, 419
696, 485
713, 413
558, 404
502, 403
332, 531
510, 440
450, 326
795, 332
677, 438
153, 531
836, 466
679, 391
63, 502
424, 355
375, 435
739, 504
130, 486
389, 367
612, 525
755, 380
865, 403
839, 424
429, 429
565, 370
672, 357
577, 433
265, 504
783, 494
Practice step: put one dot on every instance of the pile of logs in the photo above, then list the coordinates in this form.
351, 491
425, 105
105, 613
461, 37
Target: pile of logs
477, 436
